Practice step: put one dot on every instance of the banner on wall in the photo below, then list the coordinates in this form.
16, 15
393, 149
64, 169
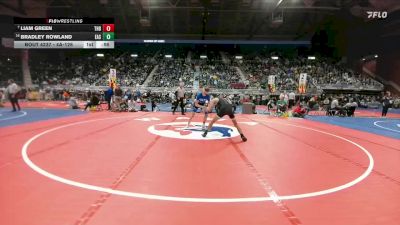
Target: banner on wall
271, 83
112, 78
303, 83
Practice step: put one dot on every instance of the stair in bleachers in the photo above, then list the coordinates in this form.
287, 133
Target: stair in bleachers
150, 77
26, 73
240, 72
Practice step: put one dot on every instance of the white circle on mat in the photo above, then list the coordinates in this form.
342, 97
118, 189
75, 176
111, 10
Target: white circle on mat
15, 117
376, 123
38, 169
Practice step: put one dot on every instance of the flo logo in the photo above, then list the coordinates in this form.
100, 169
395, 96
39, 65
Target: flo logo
377, 14
181, 131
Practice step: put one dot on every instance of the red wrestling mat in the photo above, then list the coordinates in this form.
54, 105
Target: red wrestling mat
146, 168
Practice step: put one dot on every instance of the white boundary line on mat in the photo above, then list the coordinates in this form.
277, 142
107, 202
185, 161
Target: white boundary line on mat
15, 117
386, 128
27, 160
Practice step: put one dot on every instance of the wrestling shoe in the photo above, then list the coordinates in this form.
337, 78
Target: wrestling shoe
244, 139
205, 133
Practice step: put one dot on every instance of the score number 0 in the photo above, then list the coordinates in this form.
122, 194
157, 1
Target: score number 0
108, 27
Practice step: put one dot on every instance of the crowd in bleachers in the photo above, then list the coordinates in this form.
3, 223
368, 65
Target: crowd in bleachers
320, 72
218, 75
323, 73
91, 71
257, 73
214, 71
170, 72
217, 70
9, 69
130, 71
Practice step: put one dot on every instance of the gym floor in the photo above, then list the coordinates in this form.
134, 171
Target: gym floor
60, 166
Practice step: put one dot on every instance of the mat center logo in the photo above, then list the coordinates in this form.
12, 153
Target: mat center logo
181, 131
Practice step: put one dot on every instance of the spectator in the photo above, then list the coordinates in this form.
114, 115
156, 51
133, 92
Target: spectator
335, 104
108, 96
118, 98
281, 105
66, 95
132, 105
94, 101
292, 97
299, 111
73, 103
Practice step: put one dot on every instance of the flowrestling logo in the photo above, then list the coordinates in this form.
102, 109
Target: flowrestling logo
377, 14
181, 131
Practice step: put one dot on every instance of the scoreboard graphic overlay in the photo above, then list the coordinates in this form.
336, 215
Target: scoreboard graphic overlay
67, 33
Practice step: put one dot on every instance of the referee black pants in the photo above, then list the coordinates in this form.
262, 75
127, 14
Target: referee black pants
177, 102
385, 110
14, 102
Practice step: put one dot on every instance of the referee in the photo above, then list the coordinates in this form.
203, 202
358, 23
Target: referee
12, 91
180, 96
